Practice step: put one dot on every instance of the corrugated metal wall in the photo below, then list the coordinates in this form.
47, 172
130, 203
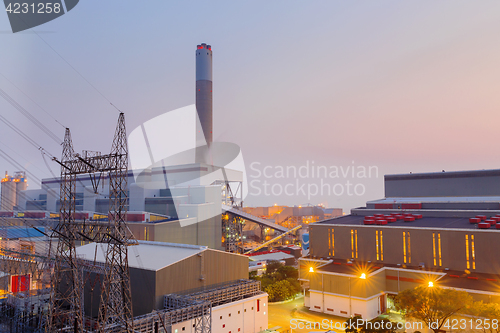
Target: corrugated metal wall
218, 267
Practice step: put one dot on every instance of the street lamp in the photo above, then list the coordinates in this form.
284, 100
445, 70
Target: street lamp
430, 284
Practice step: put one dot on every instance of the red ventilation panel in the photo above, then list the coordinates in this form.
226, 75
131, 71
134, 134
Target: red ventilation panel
384, 206
411, 206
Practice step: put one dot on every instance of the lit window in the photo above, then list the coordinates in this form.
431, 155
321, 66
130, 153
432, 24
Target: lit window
409, 248
467, 250
439, 250
473, 252
331, 242
379, 244
434, 248
404, 247
352, 243
356, 242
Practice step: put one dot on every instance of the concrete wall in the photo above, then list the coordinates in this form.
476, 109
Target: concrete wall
344, 306
240, 316
442, 184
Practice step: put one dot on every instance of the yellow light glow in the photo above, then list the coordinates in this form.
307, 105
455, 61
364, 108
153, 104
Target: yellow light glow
431, 284
311, 270
363, 276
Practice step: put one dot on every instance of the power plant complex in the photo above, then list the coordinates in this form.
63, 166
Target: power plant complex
153, 236
101, 248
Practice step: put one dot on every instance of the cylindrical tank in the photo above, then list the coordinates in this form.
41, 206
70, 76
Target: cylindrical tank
204, 93
8, 193
21, 185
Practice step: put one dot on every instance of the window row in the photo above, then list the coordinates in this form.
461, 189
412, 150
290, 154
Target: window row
407, 245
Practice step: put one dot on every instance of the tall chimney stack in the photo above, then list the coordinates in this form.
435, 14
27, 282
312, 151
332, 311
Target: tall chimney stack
204, 93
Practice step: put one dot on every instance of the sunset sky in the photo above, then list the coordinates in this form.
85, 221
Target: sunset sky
400, 85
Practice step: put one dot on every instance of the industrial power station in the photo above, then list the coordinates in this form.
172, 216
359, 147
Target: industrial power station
101, 249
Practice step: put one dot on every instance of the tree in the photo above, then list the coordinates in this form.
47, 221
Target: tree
279, 291
295, 285
285, 272
489, 311
272, 266
433, 305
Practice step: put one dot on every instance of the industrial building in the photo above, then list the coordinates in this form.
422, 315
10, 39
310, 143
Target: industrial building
163, 271
285, 216
435, 229
292, 216
185, 191
14, 243
192, 216
97, 273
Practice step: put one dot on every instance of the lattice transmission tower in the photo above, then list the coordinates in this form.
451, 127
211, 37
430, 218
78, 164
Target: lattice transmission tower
115, 309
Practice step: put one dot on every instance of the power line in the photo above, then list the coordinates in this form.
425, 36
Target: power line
51, 116
22, 157
76, 71
28, 115
23, 135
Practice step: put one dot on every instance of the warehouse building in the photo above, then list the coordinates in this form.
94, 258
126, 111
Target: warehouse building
165, 276
437, 229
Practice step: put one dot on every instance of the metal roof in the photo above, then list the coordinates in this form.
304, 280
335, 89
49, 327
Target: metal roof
15, 233
147, 255
436, 199
272, 256
444, 174
425, 222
